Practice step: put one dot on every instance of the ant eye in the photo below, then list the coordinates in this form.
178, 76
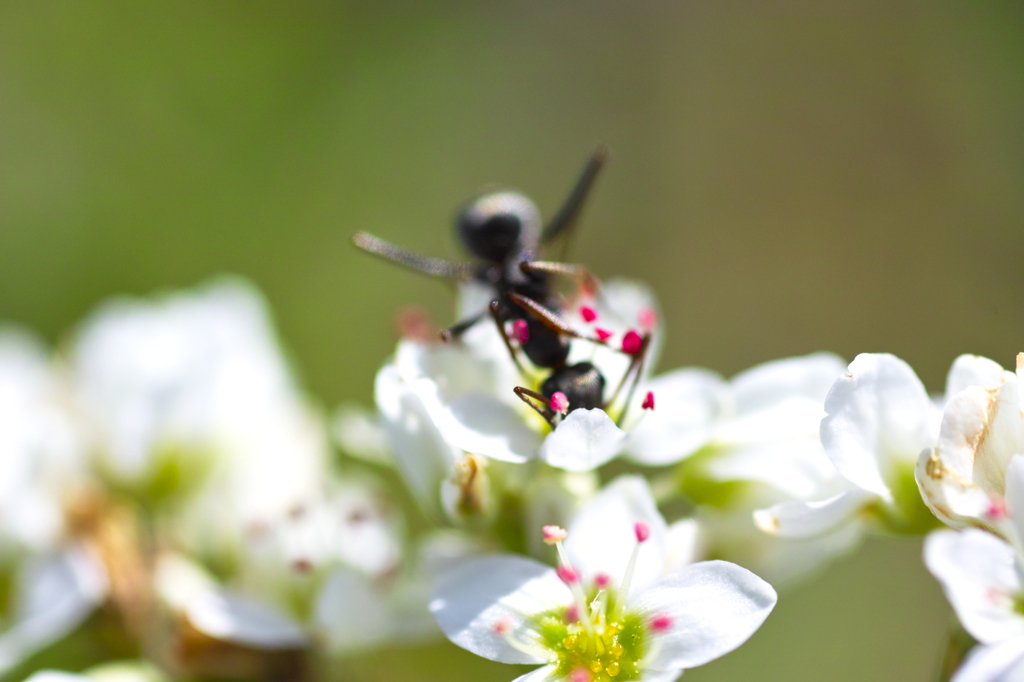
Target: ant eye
495, 226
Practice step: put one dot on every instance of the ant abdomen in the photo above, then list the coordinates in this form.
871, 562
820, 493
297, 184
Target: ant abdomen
581, 383
545, 347
496, 226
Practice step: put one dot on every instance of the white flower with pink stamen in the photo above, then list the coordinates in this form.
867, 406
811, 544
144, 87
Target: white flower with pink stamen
981, 575
608, 612
440, 402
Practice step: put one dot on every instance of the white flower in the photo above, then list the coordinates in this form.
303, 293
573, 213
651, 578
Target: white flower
54, 584
607, 612
983, 578
745, 444
176, 386
962, 477
41, 452
879, 420
442, 402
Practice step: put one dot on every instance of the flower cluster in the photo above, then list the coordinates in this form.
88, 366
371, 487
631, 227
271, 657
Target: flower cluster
164, 474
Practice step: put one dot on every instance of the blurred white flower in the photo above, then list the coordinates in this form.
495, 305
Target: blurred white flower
41, 452
962, 479
608, 612
174, 386
120, 671
55, 582
879, 420
745, 444
983, 578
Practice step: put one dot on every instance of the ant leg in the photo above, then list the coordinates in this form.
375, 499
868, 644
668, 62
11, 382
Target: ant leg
528, 397
428, 265
584, 277
458, 329
548, 318
567, 216
494, 308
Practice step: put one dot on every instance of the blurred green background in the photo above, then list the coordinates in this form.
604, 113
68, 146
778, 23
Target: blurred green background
790, 177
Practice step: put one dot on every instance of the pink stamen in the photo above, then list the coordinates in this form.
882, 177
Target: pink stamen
632, 343
648, 401
567, 575
997, 509
661, 623
559, 402
603, 334
572, 614
602, 580
520, 331
642, 531
302, 565
648, 319
580, 674
588, 313
554, 534
502, 627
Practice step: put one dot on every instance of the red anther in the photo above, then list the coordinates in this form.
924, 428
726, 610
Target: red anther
572, 614
603, 334
588, 313
648, 401
502, 627
661, 622
642, 531
413, 322
560, 402
302, 565
997, 509
648, 319
602, 580
567, 575
632, 343
554, 534
580, 674
520, 331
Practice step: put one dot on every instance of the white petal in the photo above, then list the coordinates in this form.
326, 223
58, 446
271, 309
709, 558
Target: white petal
877, 419
795, 466
584, 440
684, 544
56, 676
714, 607
1015, 494
660, 675
471, 599
57, 595
422, 455
1003, 662
360, 434
974, 370
241, 620
798, 519
765, 385
545, 674
688, 403
978, 574
955, 500
602, 536
981, 430
483, 425
350, 612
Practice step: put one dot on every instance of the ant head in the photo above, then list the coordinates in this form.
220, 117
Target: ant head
496, 226
581, 383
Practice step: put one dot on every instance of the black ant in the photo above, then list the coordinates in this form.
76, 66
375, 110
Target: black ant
503, 230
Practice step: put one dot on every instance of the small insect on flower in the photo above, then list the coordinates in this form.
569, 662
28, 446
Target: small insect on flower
628, 623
